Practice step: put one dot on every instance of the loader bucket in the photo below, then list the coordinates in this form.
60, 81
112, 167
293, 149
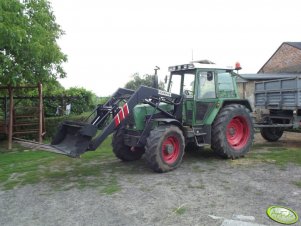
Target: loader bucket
73, 138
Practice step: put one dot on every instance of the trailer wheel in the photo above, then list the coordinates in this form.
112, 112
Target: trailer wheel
122, 151
271, 134
164, 148
232, 132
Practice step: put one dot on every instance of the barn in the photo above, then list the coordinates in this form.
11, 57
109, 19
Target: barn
284, 63
286, 59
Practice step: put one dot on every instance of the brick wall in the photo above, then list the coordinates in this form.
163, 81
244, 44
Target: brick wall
286, 59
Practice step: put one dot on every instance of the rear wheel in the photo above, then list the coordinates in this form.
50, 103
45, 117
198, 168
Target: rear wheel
164, 148
232, 132
122, 151
271, 134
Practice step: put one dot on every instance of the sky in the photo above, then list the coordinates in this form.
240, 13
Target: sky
108, 41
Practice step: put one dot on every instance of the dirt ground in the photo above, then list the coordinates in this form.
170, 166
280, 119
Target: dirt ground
205, 190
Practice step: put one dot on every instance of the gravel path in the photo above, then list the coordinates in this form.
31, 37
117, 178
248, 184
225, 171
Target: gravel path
205, 190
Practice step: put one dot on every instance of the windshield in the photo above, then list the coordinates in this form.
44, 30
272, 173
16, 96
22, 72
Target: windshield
175, 84
182, 82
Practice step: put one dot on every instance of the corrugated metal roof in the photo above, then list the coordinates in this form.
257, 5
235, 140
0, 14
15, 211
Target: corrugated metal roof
294, 44
257, 77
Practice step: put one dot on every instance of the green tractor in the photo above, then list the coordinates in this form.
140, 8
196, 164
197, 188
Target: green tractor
200, 107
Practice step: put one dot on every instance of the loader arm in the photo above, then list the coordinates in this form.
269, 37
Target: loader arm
75, 138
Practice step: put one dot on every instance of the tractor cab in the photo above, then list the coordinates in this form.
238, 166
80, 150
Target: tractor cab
204, 86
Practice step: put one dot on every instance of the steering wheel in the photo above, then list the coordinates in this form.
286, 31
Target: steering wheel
188, 92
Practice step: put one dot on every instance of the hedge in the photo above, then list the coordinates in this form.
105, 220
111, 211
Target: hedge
52, 123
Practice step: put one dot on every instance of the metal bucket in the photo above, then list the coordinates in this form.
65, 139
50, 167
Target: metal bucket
73, 138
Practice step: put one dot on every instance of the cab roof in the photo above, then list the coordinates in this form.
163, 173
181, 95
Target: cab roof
202, 64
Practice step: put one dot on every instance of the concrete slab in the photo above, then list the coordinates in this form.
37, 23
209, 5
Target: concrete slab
239, 223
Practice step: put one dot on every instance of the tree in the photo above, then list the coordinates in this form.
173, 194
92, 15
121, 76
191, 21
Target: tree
81, 101
84, 102
146, 80
29, 52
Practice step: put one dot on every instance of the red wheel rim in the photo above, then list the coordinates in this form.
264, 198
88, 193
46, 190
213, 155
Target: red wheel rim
238, 132
170, 149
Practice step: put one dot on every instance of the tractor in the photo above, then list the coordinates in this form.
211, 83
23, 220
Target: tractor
200, 107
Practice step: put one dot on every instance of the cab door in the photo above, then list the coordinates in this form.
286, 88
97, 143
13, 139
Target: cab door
184, 83
189, 98
206, 97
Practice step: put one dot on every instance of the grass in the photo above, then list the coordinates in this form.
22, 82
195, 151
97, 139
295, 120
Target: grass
180, 210
200, 186
278, 155
111, 188
100, 169
197, 169
21, 167
297, 183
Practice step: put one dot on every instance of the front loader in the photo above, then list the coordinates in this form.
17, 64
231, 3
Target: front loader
201, 107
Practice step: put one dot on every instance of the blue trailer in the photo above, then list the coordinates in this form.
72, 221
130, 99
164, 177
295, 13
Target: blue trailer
282, 99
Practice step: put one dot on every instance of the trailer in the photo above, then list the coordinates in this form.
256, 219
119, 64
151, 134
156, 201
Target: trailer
281, 99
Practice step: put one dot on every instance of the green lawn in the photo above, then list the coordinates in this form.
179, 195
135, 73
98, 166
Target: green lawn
273, 153
22, 166
99, 169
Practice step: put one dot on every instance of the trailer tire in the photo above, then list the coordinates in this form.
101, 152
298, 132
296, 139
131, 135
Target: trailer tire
122, 151
232, 131
271, 134
164, 148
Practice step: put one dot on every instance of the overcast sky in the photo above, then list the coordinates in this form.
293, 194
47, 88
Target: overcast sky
108, 41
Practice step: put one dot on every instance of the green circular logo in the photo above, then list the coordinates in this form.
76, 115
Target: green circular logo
282, 214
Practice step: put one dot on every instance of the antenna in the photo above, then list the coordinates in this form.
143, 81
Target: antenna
192, 54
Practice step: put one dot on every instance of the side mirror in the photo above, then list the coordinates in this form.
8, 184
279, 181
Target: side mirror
209, 75
165, 79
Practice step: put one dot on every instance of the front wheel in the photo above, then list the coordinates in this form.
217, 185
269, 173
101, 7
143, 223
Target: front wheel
122, 151
232, 131
164, 148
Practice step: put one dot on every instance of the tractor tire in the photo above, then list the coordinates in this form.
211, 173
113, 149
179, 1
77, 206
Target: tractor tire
164, 148
271, 134
122, 151
232, 132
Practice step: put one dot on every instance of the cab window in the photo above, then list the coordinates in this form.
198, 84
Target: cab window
225, 85
175, 84
207, 86
188, 87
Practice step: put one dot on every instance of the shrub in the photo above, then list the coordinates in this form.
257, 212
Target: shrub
52, 123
